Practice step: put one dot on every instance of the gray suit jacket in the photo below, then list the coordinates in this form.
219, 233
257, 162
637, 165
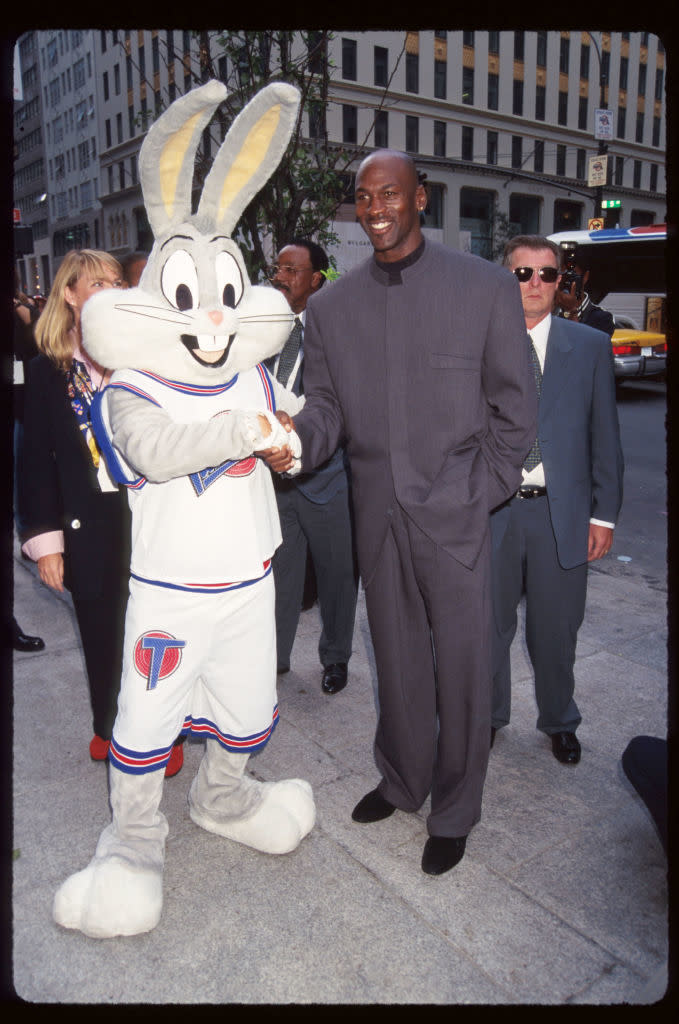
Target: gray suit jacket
579, 437
429, 384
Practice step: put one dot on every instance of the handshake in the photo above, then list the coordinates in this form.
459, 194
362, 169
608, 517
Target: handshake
285, 448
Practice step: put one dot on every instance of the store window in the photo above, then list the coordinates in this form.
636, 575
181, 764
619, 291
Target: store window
476, 218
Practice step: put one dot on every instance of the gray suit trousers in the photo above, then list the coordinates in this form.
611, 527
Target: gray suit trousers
525, 561
429, 619
326, 529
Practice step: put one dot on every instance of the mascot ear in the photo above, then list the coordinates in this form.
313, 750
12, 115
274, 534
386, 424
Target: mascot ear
249, 155
166, 160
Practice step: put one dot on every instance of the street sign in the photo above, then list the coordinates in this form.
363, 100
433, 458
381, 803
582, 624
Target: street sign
597, 170
595, 224
603, 125
610, 204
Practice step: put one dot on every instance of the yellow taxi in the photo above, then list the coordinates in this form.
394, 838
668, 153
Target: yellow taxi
638, 353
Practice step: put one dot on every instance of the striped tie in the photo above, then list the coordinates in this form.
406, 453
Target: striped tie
534, 457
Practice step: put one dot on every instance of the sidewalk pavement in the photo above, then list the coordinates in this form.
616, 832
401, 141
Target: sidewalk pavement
561, 897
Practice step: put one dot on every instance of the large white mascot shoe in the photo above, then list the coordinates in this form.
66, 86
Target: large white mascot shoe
120, 892
272, 817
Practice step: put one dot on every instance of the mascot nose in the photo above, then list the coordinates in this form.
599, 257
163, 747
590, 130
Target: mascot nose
216, 316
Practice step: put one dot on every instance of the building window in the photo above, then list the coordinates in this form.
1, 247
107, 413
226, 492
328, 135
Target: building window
656, 132
584, 62
562, 115
491, 148
619, 169
517, 150
539, 156
493, 91
517, 97
641, 85
412, 72
476, 212
468, 85
128, 72
541, 59
494, 42
561, 160
582, 112
567, 215
540, 99
580, 167
121, 173
103, 40
107, 126
467, 38
412, 134
640, 127
381, 59
622, 111
317, 126
119, 127
141, 61
606, 65
349, 60
442, 34
467, 143
349, 123
564, 54
622, 80
659, 74
439, 138
317, 52
155, 55
381, 129
116, 79
104, 80
440, 75
130, 120
524, 214
519, 38
433, 211
636, 179
653, 185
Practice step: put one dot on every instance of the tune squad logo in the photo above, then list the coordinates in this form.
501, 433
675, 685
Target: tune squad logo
157, 655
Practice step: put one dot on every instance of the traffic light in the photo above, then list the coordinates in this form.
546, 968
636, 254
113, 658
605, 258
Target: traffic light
610, 204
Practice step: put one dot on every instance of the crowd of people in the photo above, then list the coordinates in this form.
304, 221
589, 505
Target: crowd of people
445, 458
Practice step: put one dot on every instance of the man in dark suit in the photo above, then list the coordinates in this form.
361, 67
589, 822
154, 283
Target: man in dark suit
314, 507
565, 511
417, 358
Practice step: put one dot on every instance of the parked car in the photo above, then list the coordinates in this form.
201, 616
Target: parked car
638, 353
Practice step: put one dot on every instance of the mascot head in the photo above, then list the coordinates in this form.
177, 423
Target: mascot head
195, 316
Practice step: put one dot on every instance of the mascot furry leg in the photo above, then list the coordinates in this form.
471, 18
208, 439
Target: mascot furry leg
272, 817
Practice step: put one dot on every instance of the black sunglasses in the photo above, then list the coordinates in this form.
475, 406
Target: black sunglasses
547, 274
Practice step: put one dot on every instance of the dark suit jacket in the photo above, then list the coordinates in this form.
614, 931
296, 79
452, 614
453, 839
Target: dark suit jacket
429, 383
58, 487
579, 437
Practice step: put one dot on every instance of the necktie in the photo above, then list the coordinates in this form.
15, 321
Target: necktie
534, 457
290, 352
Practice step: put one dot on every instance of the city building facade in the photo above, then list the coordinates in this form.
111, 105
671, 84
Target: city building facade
502, 124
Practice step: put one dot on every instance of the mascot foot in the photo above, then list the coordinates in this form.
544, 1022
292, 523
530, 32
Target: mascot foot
110, 897
284, 814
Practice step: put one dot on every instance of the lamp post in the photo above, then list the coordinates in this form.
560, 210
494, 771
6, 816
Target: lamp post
603, 147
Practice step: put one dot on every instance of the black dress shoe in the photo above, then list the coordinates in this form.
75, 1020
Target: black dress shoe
26, 644
566, 747
373, 807
441, 853
334, 678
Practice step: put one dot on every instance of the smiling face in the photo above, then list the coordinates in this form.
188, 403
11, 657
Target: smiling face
89, 283
537, 295
389, 201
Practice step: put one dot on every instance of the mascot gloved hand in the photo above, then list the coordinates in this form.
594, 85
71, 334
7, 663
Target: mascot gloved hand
188, 405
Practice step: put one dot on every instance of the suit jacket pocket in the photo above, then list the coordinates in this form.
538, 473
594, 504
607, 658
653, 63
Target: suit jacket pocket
452, 361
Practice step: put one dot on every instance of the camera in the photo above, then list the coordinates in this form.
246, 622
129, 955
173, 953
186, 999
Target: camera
569, 276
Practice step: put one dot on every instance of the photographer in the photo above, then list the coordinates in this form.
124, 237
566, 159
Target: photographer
571, 299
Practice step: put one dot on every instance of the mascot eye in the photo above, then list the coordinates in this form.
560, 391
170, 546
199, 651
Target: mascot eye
229, 279
179, 280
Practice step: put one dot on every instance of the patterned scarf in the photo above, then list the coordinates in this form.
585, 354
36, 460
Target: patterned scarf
80, 393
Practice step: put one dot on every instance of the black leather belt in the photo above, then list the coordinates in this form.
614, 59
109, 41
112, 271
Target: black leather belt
531, 492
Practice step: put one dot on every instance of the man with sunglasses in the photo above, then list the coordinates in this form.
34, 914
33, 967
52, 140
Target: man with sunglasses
314, 507
564, 512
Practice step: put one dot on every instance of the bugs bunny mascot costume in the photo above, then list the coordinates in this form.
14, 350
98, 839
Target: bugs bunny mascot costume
188, 405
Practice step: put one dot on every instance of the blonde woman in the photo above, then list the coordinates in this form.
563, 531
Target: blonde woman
75, 518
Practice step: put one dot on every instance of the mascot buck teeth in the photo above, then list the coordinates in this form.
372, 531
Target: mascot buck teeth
187, 407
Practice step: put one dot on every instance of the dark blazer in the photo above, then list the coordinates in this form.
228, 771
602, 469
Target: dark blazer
58, 487
579, 437
429, 384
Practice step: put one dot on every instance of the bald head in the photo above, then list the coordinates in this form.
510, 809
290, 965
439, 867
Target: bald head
381, 155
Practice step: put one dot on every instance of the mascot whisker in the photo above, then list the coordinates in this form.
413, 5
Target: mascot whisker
187, 408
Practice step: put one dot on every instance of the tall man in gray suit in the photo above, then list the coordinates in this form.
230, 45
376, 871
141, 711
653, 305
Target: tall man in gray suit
314, 508
417, 358
565, 511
